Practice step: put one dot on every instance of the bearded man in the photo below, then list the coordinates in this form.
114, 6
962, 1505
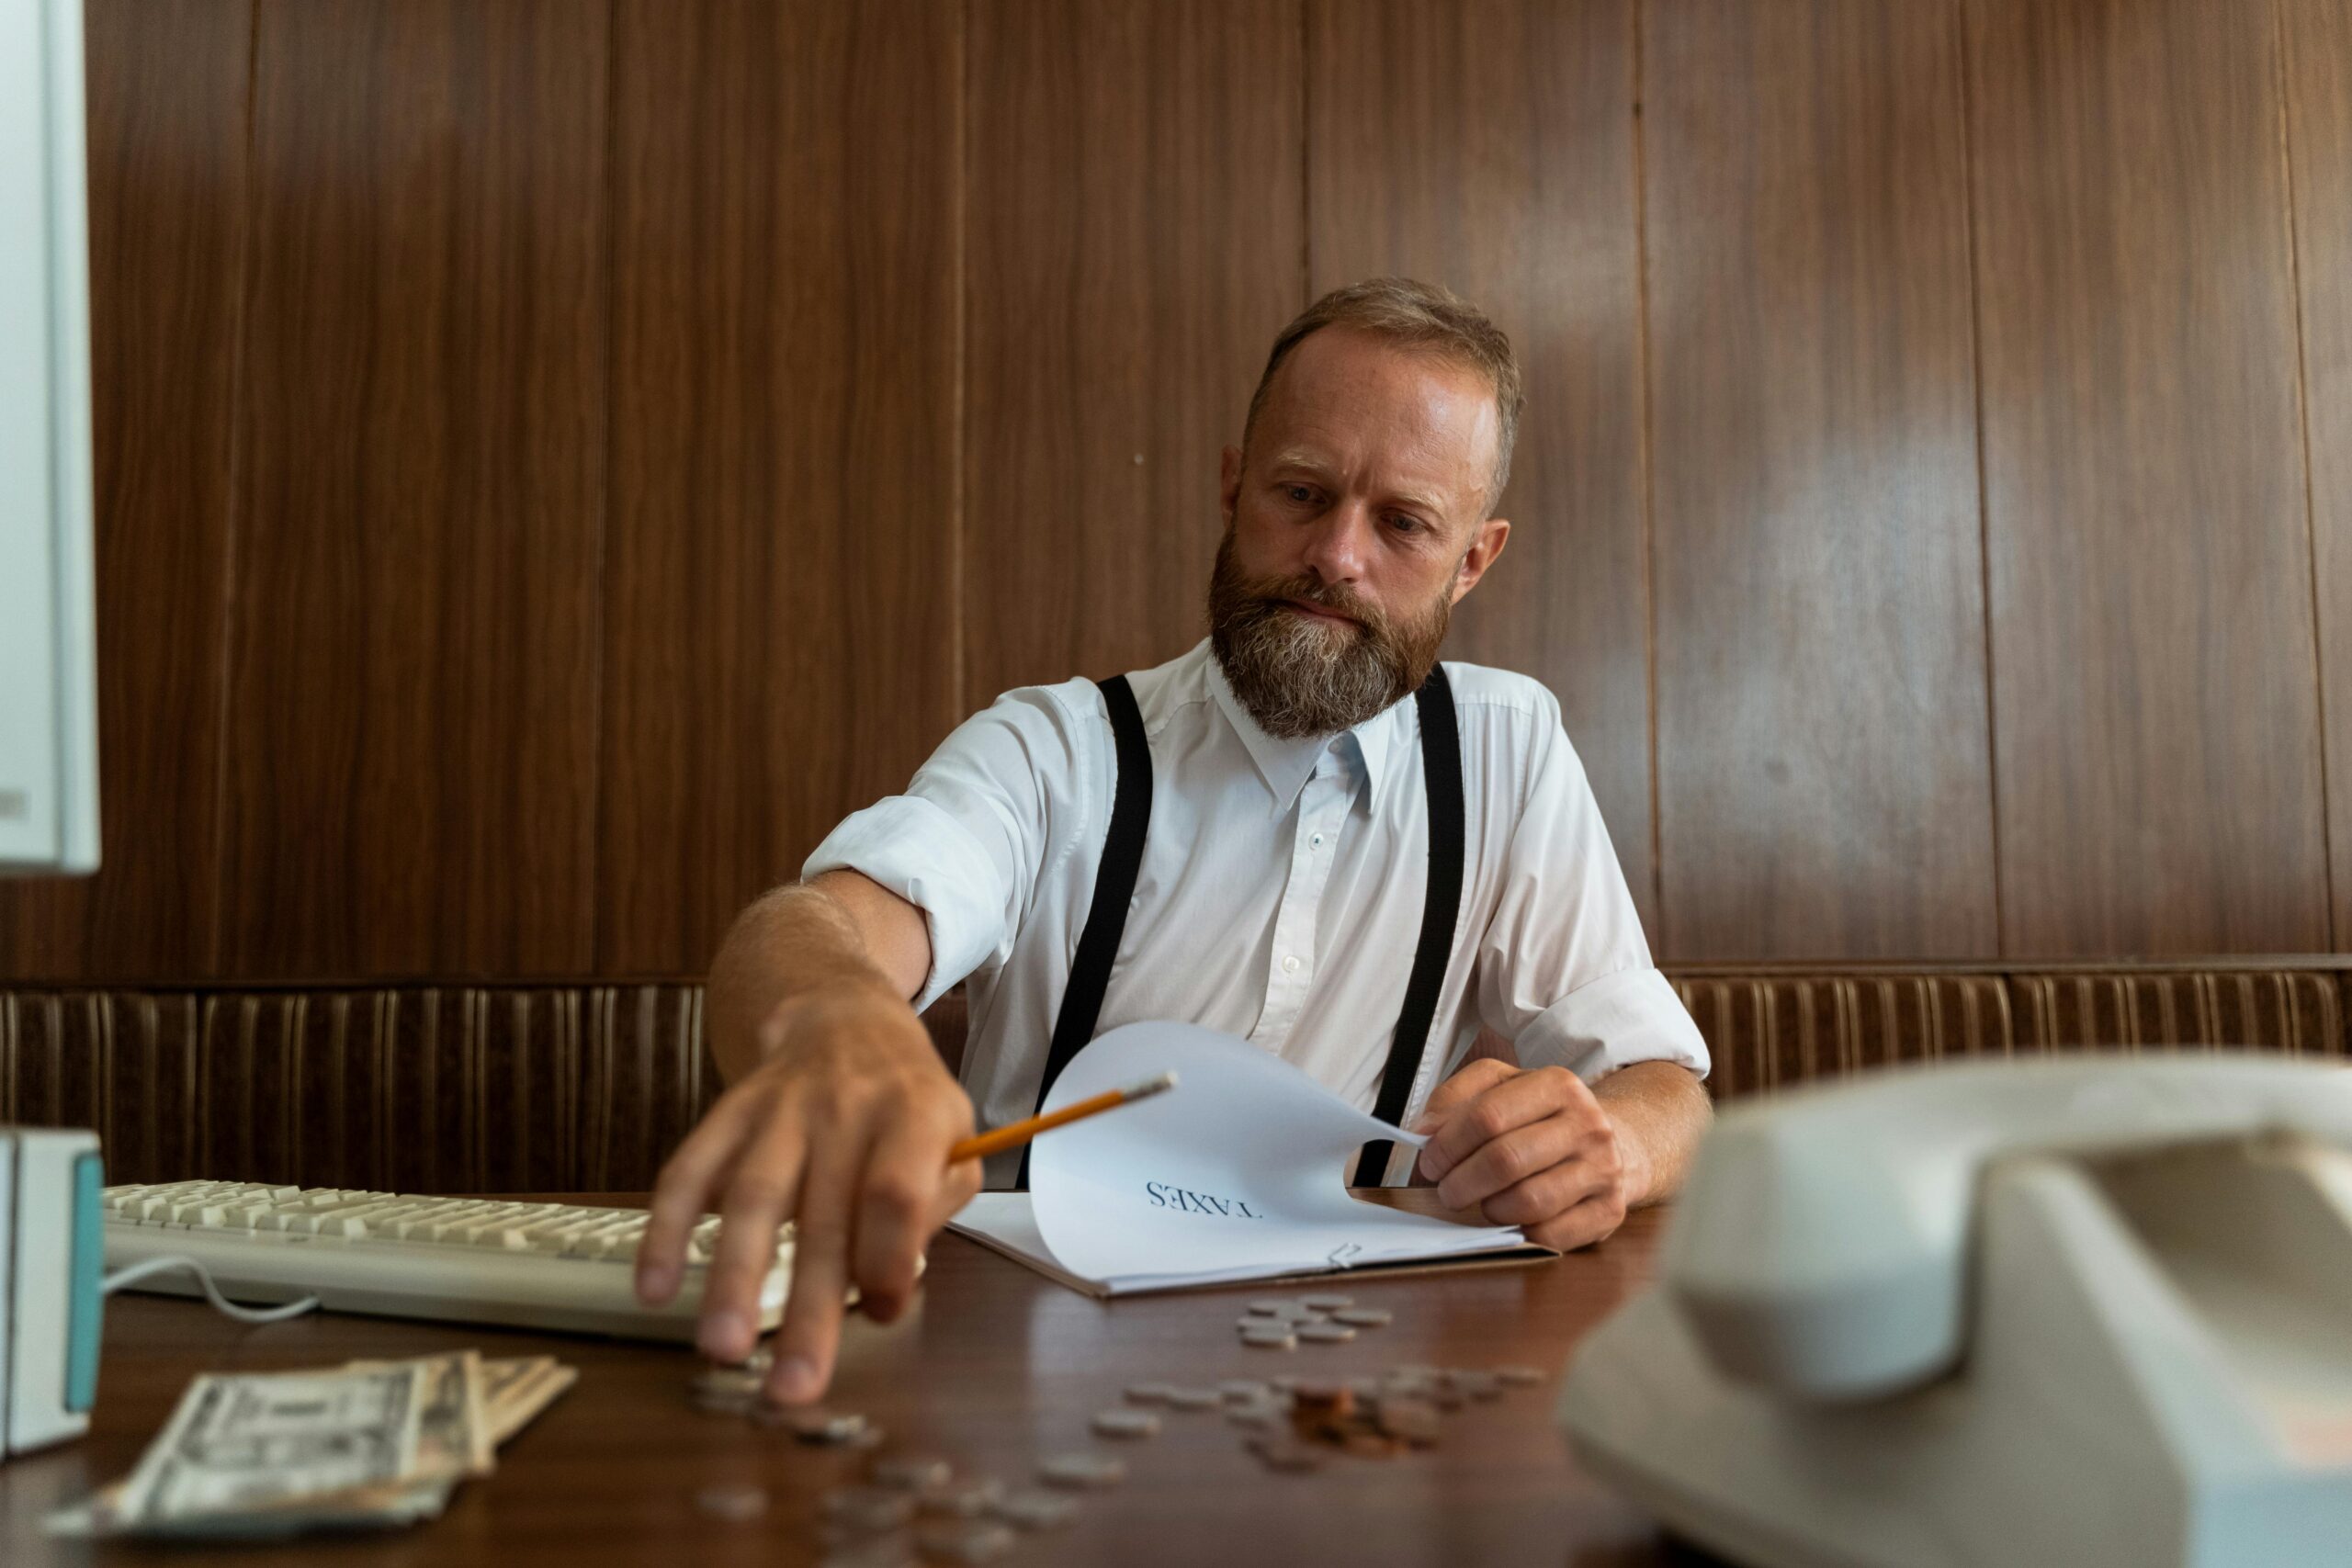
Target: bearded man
1306, 831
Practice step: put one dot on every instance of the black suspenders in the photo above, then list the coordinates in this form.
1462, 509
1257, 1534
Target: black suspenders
1114, 888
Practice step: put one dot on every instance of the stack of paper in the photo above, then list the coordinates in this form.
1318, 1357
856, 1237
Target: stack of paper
1239, 1174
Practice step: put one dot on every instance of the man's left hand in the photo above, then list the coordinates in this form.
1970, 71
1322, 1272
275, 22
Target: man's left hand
1530, 1147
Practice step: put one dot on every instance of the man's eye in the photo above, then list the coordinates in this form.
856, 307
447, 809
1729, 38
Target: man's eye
1299, 493
1405, 524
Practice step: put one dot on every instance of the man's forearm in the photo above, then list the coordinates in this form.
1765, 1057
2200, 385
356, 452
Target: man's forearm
794, 939
1661, 1110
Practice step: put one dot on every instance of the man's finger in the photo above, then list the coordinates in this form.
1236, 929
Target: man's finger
1519, 1100
894, 1208
1538, 1199
1460, 1089
1503, 1163
759, 1198
806, 1344
681, 1194
1594, 1219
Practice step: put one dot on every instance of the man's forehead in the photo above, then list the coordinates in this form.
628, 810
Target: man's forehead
1344, 400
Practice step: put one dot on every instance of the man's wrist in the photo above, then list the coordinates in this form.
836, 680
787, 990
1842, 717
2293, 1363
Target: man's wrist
1636, 1162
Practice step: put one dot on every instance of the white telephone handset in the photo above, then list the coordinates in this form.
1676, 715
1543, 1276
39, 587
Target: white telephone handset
2084, 1311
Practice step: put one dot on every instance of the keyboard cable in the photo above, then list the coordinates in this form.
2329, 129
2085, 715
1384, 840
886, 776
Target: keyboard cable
149, 1268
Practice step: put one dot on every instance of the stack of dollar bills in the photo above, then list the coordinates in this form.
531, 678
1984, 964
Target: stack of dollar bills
370, 1445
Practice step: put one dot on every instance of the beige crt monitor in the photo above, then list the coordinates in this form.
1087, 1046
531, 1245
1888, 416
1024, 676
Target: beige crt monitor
49, 747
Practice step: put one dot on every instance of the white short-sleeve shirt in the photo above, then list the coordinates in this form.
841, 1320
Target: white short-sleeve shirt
1281, 893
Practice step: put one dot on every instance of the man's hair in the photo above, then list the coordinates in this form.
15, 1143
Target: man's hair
1423, 316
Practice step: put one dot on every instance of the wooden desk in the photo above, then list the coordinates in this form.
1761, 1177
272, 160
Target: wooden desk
995, 1368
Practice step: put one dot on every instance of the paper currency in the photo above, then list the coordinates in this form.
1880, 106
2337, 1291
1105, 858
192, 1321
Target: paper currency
370, 1445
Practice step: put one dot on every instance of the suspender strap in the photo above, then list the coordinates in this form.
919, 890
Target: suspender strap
1441, 772
1115, 885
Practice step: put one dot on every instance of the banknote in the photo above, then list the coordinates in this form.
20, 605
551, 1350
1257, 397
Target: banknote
517, 1390
454, 1437
241, 1442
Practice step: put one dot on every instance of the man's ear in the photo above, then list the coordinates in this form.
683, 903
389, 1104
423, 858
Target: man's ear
1229, 483
1486, 543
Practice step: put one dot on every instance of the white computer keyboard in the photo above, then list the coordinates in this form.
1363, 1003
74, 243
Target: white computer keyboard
469, 1259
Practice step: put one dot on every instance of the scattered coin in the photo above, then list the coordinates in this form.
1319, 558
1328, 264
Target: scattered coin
1326, 1333
722, 1401
979, 1541
1034, 1510
1286, 1454
1271, 1341
1124, 1423
961, 1499
734, 1503
1233, 1389
869, 1508
895, 1551
1328, 1303
721, 1380
1414, 1421
1181, 1398
1259, 1414
1282, 1385
1364, 1317
1478, 1385
1149, 1392
1520, 1377
1083, 1471
811, 1423
1271, 1307
907, 1473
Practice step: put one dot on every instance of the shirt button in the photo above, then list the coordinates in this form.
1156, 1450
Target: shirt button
1316, 843
1290, 965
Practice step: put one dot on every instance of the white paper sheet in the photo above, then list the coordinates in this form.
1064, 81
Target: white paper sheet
1239, 1173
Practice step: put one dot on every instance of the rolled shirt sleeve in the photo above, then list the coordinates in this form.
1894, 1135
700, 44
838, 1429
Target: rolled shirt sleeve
1564, 970
964, 843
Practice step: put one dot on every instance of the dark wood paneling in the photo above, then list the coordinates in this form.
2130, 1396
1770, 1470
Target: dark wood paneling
1489, 147
167, 86
2150, 569
2317, 38
1824, 782
1134, 245
412, 709
780, 644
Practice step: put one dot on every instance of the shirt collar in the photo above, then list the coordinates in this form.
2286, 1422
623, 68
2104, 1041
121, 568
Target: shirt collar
1286, 765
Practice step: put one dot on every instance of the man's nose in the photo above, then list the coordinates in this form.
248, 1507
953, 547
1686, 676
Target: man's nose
1336, 549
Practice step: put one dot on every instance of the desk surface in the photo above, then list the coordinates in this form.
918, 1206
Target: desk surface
995, 1368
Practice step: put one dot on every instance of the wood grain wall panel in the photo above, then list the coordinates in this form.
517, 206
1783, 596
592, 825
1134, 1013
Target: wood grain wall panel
2156, 711
780, 640
1823, 783
412, 709
167, 84
1488, 146
1134, 243
2317, 38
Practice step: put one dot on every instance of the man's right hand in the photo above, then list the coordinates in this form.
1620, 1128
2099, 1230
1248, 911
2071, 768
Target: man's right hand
843, 1128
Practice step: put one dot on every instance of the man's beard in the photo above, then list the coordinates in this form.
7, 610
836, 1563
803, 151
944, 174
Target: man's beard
1299, 675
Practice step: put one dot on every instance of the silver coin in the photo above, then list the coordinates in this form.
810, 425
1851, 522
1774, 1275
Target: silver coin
1148, 1392
961, 1499
734, 1503
895, 1551
1326, 1333
1271, 1341
1192, 1398
1328, 1303
871, 1508
1084, 1470
978, 1541
1035, 1510
722, 1402
1285, 1385
1124, 1423
728, 1379
1258, 1415
1520, 1377
1364, 1317
1243, 1388
1272, 1305
911, 1472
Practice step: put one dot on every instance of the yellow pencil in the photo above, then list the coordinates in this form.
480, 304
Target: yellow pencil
1014, 1134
